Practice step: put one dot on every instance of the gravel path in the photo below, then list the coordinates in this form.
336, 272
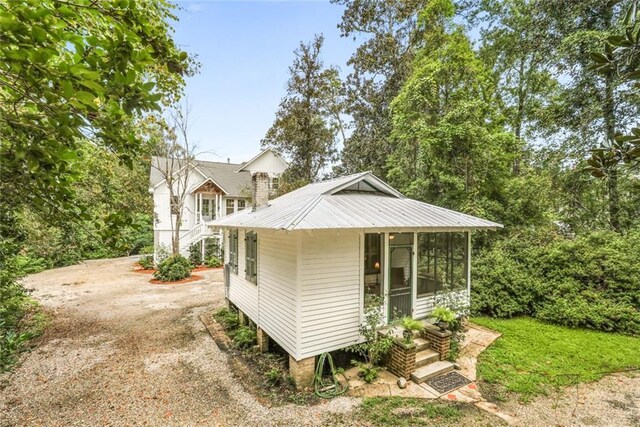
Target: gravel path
121, 351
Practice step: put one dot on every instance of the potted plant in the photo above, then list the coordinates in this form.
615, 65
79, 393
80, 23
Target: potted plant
444, 316
409, 325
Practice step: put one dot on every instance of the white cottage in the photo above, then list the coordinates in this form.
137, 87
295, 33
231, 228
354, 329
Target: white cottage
215, 189
299, 266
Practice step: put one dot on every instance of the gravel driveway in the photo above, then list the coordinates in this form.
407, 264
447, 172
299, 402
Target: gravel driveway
121, 351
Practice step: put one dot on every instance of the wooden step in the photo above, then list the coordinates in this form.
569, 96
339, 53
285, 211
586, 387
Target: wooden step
421, 344
431, 370
425, 357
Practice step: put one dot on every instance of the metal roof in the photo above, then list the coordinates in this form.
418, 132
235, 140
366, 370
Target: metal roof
334, 204
237, 184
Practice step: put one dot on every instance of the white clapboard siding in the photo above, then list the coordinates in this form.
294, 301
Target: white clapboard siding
277, 265
243, 293
426, 304
330, 291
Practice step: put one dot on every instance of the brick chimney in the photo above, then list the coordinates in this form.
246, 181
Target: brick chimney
260, 190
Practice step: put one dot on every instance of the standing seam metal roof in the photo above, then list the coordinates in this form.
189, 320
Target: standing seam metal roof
323, 206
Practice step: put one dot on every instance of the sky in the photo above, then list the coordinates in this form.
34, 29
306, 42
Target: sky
245, 49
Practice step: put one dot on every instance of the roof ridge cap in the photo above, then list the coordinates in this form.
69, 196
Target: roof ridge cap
304, 212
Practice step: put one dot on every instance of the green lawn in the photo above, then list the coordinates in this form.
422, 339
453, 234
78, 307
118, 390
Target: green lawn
534, 358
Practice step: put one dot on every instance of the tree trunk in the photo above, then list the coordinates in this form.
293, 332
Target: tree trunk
608, 111
519, 117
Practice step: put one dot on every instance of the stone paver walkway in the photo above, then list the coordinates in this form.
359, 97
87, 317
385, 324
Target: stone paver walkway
477, 339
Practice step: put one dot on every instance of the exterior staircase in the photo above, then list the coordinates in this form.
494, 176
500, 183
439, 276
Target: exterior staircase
428, 363
195, 235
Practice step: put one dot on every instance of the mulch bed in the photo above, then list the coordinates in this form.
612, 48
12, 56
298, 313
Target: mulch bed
137, 268
250, 368
192, 278
205, 268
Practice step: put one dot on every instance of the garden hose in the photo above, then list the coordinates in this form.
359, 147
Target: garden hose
327, 388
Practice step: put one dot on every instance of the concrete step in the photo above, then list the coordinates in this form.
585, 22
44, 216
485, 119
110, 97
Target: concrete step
431, 370
421, 344
425, 357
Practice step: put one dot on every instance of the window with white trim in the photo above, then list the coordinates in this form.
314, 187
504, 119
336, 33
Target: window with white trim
230, 206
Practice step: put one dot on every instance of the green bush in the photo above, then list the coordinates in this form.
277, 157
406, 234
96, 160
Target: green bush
273, 377
26, 264
592, 281
367, 372
212, 248
411, 324
228, 319
175, 267
245, 337
195, 254
146, 262
213, 262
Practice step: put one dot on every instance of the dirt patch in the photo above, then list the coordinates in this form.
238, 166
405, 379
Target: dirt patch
192, 278
250, 367
122, 351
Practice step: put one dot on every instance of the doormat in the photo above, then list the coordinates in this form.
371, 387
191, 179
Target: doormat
447, 382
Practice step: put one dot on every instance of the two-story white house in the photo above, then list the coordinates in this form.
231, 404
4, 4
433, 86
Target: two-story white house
214, 190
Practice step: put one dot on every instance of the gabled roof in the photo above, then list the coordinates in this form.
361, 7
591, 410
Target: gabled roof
245, 165
224, 175
360, 201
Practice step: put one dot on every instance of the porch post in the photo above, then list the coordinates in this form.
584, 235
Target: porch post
469, 264
385, 281
414, 273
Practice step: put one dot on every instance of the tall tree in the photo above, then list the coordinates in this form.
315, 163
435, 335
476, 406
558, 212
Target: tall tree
308, 122
449, 148
380, 65
518, 50
72, 72
620, 57
175, 162
594, 107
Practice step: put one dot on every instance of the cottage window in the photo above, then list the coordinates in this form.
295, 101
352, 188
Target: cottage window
230, 206
175, 205
275, 182
442, 262
372, 264
251, 257
233, 250
241, 204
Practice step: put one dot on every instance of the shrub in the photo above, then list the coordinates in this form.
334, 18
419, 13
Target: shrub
162, 253
28, 265
592, 281
228, 319
375, 344
367, 372
411, 324
444, 314
146, 262
212, 248
195, 254
174, 268
273, 377
213, 262
245, 337
146, 250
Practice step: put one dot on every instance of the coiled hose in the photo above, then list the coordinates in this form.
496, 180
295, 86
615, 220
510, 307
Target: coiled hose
327, 388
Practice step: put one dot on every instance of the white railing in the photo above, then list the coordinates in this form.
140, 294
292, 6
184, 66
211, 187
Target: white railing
197, 233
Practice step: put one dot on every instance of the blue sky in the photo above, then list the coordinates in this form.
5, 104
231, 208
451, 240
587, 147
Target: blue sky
245, 48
